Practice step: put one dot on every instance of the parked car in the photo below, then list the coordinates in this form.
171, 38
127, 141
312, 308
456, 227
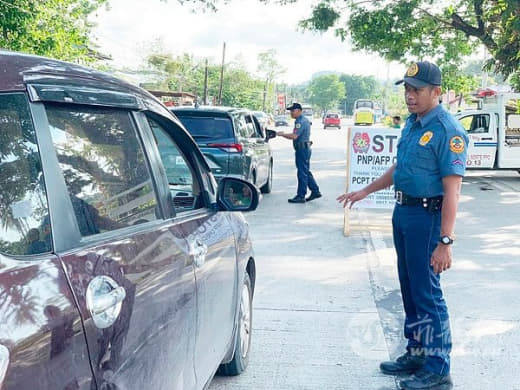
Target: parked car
281, 120
121, 266
233, 143
332, 120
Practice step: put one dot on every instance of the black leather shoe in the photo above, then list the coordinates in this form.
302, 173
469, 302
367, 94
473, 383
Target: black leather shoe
406, 364
296, 199
425, 380
314, 195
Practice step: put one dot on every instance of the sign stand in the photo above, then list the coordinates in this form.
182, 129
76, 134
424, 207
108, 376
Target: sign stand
378, 134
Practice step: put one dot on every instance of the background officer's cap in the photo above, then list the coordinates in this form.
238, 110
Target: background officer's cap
294, 106
421, 74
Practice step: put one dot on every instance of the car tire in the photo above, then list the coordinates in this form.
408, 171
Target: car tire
268, 186
244, 331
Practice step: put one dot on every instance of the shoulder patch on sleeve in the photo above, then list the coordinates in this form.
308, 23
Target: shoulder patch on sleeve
298, 125
457, 144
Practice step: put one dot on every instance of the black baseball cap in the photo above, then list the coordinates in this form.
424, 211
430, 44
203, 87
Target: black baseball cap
421, 74
295, 106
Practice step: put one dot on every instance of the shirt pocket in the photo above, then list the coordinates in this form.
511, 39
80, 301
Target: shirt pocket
423, 160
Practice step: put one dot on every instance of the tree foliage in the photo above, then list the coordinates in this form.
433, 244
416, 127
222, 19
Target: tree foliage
326, 91
358, 87
447, 31
185, 73
270, 70
54, 28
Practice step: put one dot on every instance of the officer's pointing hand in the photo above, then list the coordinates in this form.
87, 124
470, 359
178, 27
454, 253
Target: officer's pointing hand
441, 258
352, 197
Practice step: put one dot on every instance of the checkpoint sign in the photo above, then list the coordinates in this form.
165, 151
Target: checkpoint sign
371, 151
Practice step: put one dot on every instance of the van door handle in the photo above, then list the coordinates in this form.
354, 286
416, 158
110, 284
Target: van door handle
198, 251
104, 300
487, 139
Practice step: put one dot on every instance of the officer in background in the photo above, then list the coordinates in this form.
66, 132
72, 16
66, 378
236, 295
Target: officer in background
302, 147
431, 161
396, 122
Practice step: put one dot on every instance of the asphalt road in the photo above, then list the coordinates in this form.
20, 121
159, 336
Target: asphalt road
328, 307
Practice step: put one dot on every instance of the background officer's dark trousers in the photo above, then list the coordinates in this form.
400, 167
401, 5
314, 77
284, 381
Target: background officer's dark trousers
416, 234
305, 178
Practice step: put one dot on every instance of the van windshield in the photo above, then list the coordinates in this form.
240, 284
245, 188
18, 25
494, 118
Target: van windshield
202, 128
364, 103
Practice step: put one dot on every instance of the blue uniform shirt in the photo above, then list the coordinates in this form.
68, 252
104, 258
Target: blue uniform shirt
302, 127
430, 148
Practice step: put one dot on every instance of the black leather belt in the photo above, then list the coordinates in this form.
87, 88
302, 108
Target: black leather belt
432, 204
303, 145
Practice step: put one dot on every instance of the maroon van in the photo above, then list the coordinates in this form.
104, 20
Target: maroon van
121, 265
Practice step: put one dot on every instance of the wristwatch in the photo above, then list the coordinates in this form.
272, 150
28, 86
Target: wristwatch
446, 240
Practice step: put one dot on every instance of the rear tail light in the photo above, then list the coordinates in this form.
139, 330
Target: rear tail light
230, 148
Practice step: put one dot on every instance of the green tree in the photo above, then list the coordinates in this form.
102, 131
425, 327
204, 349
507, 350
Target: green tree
186, 73
54, 28
358, 87
410, 29
326, 91
269, 69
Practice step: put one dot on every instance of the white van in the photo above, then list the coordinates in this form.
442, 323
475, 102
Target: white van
494, 131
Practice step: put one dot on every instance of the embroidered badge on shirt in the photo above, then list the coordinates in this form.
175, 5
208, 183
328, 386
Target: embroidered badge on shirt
426, 137
457, 162
298, 125
457, 144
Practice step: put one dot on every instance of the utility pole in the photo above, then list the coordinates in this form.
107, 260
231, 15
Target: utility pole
205, 100
265, 94
222, 75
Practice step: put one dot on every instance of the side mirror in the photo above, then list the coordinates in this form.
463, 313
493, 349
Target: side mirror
269, 134
237, 195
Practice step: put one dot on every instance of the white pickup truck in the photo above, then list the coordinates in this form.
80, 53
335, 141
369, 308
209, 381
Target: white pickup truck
494, 132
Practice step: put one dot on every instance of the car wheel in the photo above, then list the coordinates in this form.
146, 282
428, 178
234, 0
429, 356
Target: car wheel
243, 339
267, 187
324, 127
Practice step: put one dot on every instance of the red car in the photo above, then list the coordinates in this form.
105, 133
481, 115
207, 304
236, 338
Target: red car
332, 120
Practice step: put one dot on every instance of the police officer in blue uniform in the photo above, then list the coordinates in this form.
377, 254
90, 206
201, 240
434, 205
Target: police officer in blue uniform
427, 177
302, 149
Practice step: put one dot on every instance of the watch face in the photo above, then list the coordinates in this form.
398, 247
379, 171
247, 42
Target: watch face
446, 240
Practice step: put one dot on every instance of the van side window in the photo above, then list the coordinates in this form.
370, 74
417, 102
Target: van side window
184, 186
251, 128
104, 167
476, 124
241, 126
24, 215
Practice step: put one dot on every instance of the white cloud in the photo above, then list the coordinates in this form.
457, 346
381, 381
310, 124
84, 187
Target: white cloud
248, 27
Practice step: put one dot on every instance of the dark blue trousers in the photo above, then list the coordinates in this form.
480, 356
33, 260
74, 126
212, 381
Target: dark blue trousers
427, 326
305, 178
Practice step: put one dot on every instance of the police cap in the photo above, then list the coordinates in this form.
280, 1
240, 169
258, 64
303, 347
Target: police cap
421, 74
294, 106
